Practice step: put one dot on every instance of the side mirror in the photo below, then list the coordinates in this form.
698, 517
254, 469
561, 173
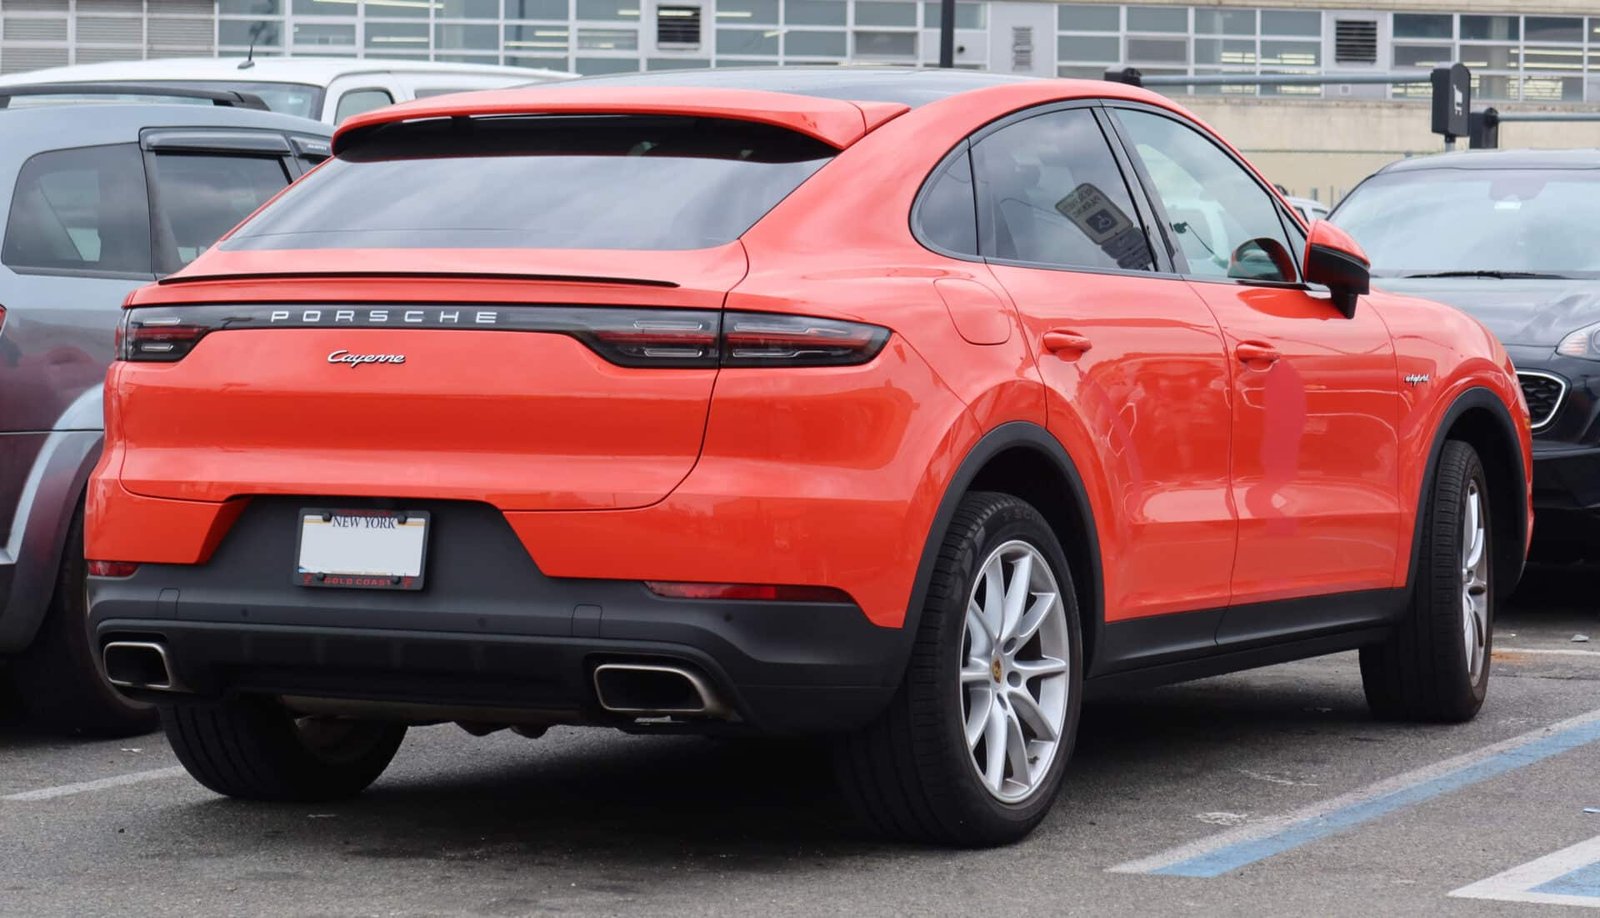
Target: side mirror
1336, 261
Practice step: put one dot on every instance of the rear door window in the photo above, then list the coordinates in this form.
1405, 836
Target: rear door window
199, 197
1050, 193
359, 101
592, 182
81, 211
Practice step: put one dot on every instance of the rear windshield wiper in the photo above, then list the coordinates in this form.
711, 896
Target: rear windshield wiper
1498, 275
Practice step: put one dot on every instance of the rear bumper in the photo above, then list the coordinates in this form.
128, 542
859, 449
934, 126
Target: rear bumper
489, 630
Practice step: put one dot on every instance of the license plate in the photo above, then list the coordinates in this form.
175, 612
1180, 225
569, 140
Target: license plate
362, 549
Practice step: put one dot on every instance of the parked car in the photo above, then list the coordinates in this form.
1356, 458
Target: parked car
97, 201
1504, 236
328, 89
1310, 210
885, 405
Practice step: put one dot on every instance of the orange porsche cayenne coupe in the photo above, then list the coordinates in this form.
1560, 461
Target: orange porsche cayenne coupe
905, 408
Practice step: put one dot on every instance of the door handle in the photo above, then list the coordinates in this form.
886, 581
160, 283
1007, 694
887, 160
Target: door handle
1067, 343
1256, 352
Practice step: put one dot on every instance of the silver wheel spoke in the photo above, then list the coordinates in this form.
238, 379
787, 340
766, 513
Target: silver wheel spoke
1017, 750
1017, 594
1044, 666
994, 739
975, 672
994, 598
1029, 712
978, 630
982, 700
1034, 617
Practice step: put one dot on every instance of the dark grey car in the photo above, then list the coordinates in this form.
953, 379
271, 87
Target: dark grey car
98, 200
1508, 237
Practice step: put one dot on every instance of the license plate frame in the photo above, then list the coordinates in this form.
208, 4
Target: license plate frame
352, 565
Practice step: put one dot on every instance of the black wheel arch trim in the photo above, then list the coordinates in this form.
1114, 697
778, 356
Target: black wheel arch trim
1476, 398
1007, 436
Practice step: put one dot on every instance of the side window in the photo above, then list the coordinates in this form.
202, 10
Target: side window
1226, 224
946, 216
357, 101
200, 197
80, 210
1050, 193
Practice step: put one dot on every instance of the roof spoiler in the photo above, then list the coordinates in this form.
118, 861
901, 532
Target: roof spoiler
224, 98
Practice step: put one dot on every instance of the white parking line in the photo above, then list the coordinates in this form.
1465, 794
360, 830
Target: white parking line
84, 787
1567, 877
1548, 651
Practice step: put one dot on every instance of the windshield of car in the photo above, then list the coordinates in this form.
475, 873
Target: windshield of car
1477, 222
615, 182
290, 98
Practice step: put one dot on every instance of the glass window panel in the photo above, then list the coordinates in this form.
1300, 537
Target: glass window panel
449, 37
357, 101
397, 36
1552, 89
1492, 88
747, 41
820, 44
1291, 53
322, 8
1421, 25
1158, 19
608, 40
1290, 22
536, 9
594, 66
1490, 28
1050, 193
243, 33
1225, 22
1081, 73
1238, 52
1594, 30
676, 63
1424, 56
466, 9
968, 15
1552, 28
81, 210
1225, 89
251, 7
394, 9
886, 44
1552, 59
885, 13
609, 9
1072, 49
754, 12
1489, 57
463, 59
324, 34
1077, 17
538, 63
814, 12
546, 38
947, 218
1158, 50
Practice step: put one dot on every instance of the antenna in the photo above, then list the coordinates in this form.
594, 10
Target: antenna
250, 56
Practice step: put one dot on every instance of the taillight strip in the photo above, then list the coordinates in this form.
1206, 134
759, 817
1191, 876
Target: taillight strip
630, 337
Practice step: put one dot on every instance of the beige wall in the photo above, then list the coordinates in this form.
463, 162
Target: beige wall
1321, 149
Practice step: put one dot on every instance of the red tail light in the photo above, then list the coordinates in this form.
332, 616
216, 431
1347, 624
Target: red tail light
663, 338
747, 591
112, 568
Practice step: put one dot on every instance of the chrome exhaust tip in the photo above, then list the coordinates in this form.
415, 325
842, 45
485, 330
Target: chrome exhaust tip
138, 665
657, 690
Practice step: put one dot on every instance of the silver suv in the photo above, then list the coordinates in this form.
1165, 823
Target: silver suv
97, 200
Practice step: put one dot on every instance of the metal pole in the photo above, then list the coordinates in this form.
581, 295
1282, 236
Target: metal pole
1548, 116
1287, 79
947, 33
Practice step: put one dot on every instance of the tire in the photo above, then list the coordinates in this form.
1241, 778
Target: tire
58, 677
254, 749
912, 773
1435, 667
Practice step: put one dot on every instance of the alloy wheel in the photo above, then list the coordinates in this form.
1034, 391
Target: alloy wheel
1474, 581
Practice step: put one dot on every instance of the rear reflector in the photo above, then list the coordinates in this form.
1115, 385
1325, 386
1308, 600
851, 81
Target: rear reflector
112, 568
658, 338
747, 591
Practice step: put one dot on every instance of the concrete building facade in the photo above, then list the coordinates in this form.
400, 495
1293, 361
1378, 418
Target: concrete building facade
1316, 140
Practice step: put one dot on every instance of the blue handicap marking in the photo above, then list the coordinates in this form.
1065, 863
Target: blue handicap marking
1585, 881
1570, 876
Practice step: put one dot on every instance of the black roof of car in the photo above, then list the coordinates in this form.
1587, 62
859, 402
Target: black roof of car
1498, 159
856, 84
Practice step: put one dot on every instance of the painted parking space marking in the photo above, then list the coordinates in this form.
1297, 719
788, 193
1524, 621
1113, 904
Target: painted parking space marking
1228, 851
1545, 651
85, 787
1570, 876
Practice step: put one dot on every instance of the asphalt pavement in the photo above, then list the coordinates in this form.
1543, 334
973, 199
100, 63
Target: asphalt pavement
1263, 793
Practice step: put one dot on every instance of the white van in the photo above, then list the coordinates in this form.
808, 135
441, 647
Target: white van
328, 89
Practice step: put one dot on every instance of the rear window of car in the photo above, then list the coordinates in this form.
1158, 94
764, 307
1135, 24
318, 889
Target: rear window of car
80, 211
595, 182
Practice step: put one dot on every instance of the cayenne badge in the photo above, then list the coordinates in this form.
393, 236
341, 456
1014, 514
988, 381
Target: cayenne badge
356, 360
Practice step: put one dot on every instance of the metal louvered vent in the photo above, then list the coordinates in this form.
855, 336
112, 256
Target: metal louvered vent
678, 26
1021, 49
1355, 41
1544, 393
